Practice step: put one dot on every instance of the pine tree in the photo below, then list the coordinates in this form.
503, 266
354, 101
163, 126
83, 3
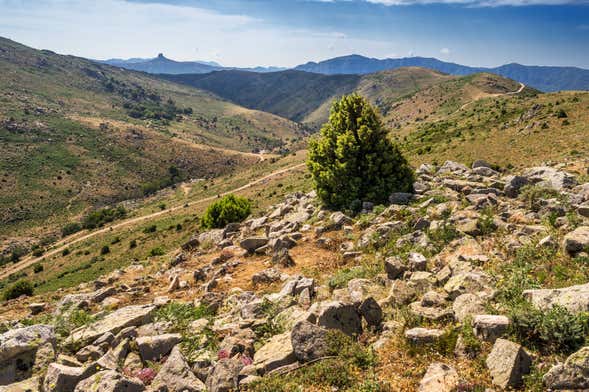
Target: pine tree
353, 158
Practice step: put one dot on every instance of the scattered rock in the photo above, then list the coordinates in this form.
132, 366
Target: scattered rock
508, 362
572, 375
439, 377
309, 341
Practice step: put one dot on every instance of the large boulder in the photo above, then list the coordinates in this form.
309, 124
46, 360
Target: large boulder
22, 340
32, 384
309, 341
252, 243
577, 240
134, 315
439, 377
338, 315
62, 378
508, 362
277, 352
153, 348
176, 376
225, 375
109, 381
513, 185
551, 177
489, 327
574, 298
573, 374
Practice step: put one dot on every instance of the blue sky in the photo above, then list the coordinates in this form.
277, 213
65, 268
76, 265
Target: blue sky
290, 32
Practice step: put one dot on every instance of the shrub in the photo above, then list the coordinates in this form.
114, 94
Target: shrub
133, 244
150, 229
38, 268
105, 250
353, 158
228, 209
561, 114
70, 228
157, 251
22, 287
65, 252
101, 217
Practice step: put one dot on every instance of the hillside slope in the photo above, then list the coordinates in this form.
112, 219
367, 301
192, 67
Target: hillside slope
75, 134
540, 77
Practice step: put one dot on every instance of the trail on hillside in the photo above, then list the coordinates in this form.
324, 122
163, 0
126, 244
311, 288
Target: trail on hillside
519, 90
78, 237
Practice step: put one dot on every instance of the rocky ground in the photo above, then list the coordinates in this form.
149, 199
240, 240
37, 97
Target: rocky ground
478, 281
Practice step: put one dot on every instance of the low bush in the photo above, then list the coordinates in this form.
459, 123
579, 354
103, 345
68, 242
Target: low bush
70, 229
228, 209
157, 251
101, 217
22, 287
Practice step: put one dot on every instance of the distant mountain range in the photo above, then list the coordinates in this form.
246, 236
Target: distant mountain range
164, 65
546, 79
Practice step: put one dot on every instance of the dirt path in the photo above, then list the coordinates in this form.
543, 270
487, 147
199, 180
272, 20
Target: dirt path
519, 90
84, 235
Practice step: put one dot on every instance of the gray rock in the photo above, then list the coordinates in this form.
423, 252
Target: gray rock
371, 311
439, 377
309, 341
153, 348
574, 298
394, 267
109, 381
176, 376
224, 376
338, 315
421, 336
513, 185
490, 327
114, 322
467, 305
61, 378
400, 198
37, 307
277, 352
551, 177
508, 362
23, 340
416, 261
252, 243
572, 375
339, 219
577, 240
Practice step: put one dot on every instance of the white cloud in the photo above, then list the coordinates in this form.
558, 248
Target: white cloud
445, 51
479, 3
117, 28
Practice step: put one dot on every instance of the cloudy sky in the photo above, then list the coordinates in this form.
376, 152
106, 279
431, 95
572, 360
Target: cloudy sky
290, 32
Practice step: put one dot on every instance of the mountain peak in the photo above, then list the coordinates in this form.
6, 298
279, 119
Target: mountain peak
161, 56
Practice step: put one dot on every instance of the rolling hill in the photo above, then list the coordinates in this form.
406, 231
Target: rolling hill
307, 97
540, 77
75, 135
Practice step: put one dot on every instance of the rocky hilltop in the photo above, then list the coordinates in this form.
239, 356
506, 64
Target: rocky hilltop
478, 280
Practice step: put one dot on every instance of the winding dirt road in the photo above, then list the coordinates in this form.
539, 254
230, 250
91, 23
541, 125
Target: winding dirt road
519, 90
84, 235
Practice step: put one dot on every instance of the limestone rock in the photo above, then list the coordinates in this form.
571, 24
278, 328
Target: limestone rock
109, 381
153, 348
309, 341
573, 374
439, 377
508, 362
176, 376
276, 353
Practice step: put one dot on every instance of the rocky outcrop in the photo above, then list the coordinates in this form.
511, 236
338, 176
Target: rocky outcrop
508, 362
572, 375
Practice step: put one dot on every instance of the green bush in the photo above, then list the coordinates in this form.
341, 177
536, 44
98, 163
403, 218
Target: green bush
38, 268
70, 228
101, 217
228, 209
158, 251
353, 158
105, 250
22, 287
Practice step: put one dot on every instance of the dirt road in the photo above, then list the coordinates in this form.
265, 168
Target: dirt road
84, 235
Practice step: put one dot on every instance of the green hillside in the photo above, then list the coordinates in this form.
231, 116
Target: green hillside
75, 134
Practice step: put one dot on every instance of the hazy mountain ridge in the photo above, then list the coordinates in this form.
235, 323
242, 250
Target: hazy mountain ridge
543, 78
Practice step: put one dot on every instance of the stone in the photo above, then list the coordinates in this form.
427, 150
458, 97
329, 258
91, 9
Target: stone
574, 298
371, 311
577, 240
210, 238
416, 261
338, 315
282, 257
175, 376
29, 385
266, 276
153, 348
572, 375
90, 352
277, 352
24, 340
513, 185
339, 219
37, 307
439, 377
394, 267
133, 362
400, 198
114, 322
551, 177
224, 376
467, 282
309, 341
252, 243
421, 336
61, 378
508, 362
435, 313
109, 381
467, 305
490, 327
